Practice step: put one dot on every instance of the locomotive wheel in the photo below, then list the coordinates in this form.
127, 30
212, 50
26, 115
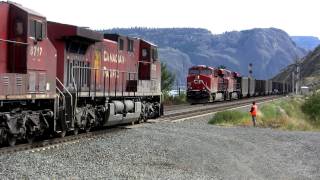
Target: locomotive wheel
88, 128
3, 135
62, 133
12, 140
76, 131
30, 138
224, 96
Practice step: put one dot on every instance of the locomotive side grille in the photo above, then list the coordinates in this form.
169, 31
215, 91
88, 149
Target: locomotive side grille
5, 80
32, 82
42, 82
18, 81
5, 84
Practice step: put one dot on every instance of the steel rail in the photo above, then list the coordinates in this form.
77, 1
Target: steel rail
172, 116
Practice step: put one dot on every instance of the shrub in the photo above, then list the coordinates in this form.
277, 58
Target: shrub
311, 107
284, 114
169, 100
230, 117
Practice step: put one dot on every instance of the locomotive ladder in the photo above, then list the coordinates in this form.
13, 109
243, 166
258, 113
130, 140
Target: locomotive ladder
66, 110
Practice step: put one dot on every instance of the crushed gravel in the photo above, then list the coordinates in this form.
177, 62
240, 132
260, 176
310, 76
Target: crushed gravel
186, 150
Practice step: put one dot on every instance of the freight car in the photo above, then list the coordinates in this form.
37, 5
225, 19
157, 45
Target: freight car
208, 84
57, 78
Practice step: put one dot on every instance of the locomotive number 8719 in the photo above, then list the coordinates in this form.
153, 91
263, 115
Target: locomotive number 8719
57, 78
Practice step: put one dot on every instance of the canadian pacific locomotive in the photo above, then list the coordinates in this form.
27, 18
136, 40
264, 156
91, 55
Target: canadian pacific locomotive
208, 84
57, 78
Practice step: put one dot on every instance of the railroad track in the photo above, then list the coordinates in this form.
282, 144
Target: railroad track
56, 142
173, 114
211, 108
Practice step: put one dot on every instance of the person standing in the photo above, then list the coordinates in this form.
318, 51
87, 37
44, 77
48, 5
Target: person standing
253, 111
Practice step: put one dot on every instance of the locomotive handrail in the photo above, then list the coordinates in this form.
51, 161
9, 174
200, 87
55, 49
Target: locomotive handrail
79, 67
64, 97
14, 42
66, 90
95, 69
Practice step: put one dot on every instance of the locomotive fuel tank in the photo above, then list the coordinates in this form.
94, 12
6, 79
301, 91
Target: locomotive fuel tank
118, 106
129, 105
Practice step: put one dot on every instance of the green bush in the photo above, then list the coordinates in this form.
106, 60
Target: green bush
283, 114
311, 107
169, 100
230, 117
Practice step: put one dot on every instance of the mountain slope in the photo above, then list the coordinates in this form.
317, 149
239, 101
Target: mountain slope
307, 42
269, 50
310, 69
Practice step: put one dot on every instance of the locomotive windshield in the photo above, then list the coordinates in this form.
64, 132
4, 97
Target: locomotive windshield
194, 72
200, 71
206, 72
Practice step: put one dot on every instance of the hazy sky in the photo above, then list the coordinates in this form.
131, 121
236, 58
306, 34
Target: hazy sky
297, 17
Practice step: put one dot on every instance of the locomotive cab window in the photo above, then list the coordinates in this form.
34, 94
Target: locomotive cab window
154, 54
37, 30
206, 72
19, 28
130, 45
121, 44
194, 71
144, 52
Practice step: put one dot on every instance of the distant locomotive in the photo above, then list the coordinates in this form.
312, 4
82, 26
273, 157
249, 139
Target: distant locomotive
57, 78
208, 84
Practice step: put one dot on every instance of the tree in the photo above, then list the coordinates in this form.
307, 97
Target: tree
222, 67
167, 78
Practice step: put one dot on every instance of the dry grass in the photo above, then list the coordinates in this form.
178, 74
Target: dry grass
283, 114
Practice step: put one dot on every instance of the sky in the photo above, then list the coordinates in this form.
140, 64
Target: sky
296, 17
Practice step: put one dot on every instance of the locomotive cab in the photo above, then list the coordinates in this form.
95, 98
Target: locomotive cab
27, 73
27, 51
199, 84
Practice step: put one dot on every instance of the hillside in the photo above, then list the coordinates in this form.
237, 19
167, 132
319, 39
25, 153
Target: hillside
310, 69
268, 49
307, 42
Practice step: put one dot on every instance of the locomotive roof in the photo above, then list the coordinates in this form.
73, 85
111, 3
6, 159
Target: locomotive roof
148, 42
202, 66
110, 41
27, 10
115, 36
81, 32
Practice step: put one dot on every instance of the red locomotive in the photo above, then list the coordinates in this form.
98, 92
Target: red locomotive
57, 78
208, 84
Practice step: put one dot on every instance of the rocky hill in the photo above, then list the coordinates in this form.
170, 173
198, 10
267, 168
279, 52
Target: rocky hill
310, 69
269, 50
307, 42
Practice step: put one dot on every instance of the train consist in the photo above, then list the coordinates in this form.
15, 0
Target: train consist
57, 78
208, 84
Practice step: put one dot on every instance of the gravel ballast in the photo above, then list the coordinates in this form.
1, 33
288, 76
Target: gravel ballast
186, 150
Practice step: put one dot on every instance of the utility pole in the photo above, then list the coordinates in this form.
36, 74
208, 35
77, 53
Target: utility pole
297, 77
178, 87
250, 78
293, 84
250, 70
